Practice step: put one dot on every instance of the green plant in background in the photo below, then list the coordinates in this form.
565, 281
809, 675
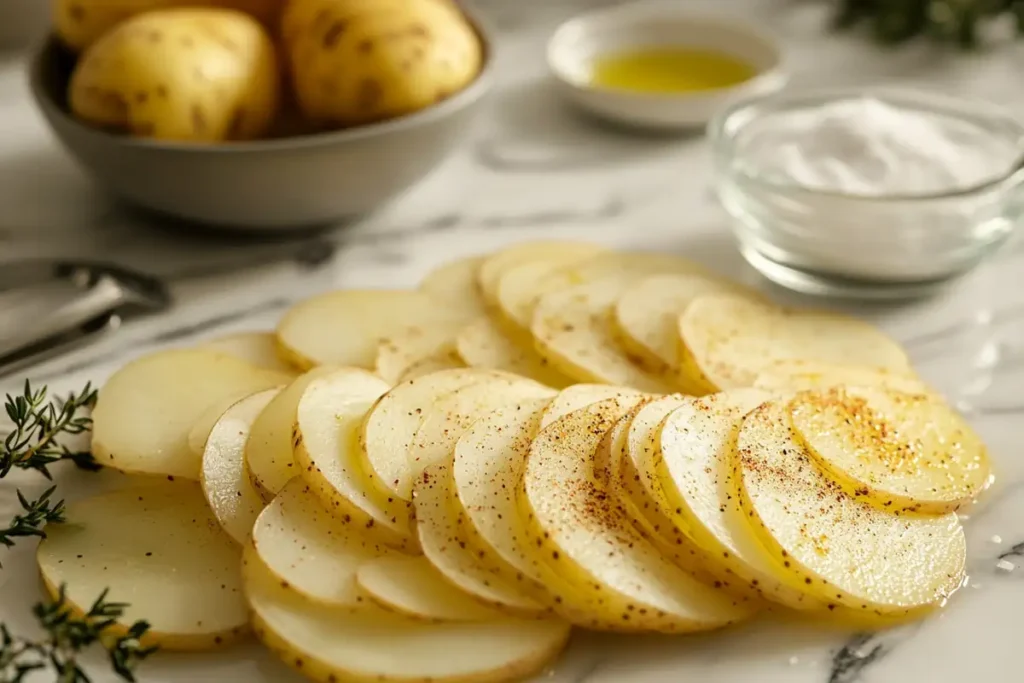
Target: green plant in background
953, 21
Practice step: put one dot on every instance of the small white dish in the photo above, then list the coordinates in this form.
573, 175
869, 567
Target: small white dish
576, 44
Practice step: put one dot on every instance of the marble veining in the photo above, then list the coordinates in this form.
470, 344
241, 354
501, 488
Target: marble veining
533, 168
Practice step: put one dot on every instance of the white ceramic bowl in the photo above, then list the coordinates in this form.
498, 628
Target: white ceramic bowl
578, 42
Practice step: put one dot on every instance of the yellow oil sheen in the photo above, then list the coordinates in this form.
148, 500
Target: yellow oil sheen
670, 70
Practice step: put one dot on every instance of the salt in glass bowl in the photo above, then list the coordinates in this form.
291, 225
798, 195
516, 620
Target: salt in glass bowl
887, 246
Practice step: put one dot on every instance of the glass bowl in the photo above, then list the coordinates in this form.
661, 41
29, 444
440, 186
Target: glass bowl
879, 246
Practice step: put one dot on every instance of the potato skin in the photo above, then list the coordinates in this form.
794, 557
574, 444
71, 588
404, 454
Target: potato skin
192, 75
360, 61
80, 23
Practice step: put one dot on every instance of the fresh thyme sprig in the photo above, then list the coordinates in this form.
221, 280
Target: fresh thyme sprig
34, 443
67, 637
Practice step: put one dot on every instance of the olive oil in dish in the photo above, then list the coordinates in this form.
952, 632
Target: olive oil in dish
669, 70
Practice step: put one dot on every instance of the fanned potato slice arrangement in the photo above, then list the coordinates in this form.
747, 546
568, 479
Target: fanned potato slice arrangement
234, 500
257, 348
327, 645
906, 451
268, 449
142, 430
482, 344
695, 472
467, 468
316, 553
848, 551
346, 327
327, 453
727, 341
412, 586
582, 534
158, 549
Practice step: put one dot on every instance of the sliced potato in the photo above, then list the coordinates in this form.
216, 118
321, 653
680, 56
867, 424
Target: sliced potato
453, 548
645, 317
496, 265
579, 396
411, 586
729, 340
571, 330
327, 645
258, 348
632, 444
523, 286
147, 409
158, 549
315, 553
391, 425
268, 451
406, 345
455, 284
346, 327
445, 358
482, 345
450, 416
695, 471
200, 432
848, 551
489, 460
909, 452
801, 375
584, 536
235, 502
327, 453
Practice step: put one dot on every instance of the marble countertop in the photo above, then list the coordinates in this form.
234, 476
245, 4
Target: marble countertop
533, 168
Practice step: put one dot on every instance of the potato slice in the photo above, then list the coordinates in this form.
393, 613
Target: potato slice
453, 547
258, 348
235, 502
455, 284
345, 327
482, 345
579, 396
645, 317
523, 286
450, 416
326, 645
801, 375
445, 358
729, 340
268, 450
491, 270
909, 452
489, 460
570, 328
159, 550
411, 586
695, 470
848, 551
200, 432
632, 444
147, 409
316, 554
328, 456
582, 534
388, 431
406, 345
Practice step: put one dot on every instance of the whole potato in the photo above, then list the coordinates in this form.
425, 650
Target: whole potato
196, 75
361, 61
79, 23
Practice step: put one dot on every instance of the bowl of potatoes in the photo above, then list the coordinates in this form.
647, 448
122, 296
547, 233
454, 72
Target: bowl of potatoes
261, 114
